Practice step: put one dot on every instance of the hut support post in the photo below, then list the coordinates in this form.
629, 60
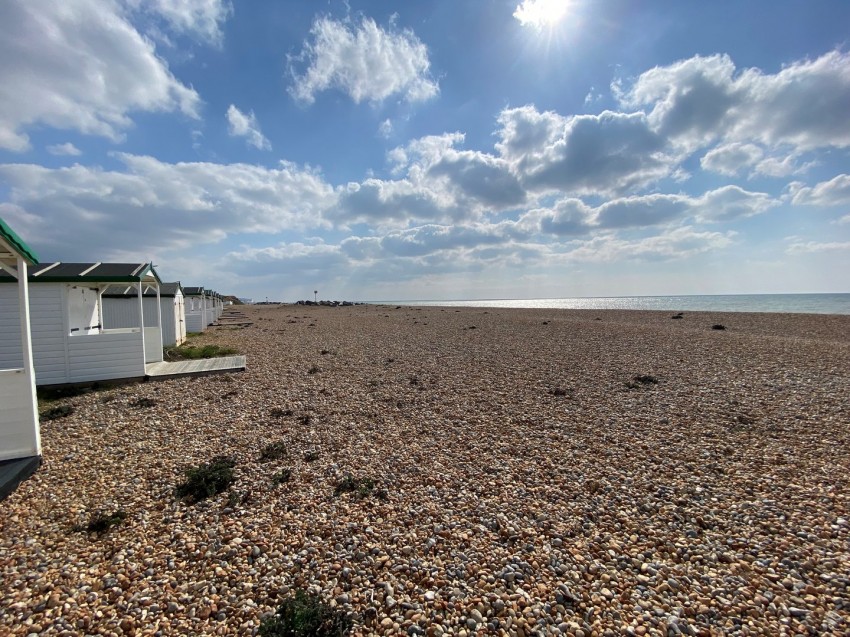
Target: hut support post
26, 349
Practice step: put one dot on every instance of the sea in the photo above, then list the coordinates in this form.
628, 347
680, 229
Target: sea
838, 303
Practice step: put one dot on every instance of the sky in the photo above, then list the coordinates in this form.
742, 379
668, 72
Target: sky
396, 150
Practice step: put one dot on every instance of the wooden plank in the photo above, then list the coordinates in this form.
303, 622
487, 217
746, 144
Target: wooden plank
195, 367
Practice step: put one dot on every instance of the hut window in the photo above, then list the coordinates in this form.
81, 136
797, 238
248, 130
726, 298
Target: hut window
83, 311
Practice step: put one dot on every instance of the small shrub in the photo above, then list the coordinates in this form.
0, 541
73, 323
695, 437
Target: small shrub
306, 419
102, 522
324, 352
305, 615
718, 326
641, 380
284, 475
560, 391
277, 412
194, 352
311, 456
359, 487
273, 451
143, 403
314, 370
207, 480
54, 413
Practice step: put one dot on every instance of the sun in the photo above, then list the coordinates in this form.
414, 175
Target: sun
541, 14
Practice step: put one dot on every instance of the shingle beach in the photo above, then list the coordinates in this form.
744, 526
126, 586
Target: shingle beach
520, 472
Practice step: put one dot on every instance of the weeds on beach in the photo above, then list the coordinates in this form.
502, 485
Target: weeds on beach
641, 381
311, 456
718, 326
194, 352
277, 412
314, 370
273, 451
305, 615
284, 475
143, 403
54, 413
207, 480
102, 522
359, 487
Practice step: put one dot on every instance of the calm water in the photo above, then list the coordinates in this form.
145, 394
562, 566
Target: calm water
794, 303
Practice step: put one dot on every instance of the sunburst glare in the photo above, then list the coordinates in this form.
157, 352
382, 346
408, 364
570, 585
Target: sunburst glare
541, 13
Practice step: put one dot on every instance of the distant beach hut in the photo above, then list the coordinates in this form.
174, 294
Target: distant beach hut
20, 439
198, 315
70, 343
120, 309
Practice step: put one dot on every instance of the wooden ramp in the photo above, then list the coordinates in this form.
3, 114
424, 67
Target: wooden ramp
223, 364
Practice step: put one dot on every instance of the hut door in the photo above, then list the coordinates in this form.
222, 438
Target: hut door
83, 313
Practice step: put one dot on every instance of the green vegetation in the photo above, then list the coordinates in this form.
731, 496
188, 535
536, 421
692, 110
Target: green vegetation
284, 475
194, 352
143, 403
207, 480
273, 451
102, 522
305, 615
54, 413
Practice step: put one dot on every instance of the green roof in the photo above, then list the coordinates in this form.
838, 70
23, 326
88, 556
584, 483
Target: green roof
17, 243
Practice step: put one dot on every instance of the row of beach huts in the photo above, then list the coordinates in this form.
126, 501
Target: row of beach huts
67, 323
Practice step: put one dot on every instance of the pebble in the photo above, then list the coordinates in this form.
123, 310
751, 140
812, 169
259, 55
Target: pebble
496, 507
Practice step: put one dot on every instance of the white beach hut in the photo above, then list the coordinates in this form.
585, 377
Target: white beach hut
69, 341
197, 314
20, 440
120, 309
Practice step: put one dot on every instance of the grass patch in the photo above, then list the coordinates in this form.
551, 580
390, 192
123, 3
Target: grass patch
54, 413
102, 522
642, 380
305, 615
143, 403
195, 352
273, 451
282, 476
359, 487
207, 480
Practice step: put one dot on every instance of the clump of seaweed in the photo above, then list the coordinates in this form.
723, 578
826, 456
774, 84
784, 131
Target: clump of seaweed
207, 480
305, 615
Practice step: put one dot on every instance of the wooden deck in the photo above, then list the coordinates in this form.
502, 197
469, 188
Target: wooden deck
163, 370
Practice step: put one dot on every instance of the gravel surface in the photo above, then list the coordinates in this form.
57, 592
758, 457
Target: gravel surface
513, 472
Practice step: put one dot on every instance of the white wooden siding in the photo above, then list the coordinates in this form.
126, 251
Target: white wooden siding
16, 440
59, 357
118, 313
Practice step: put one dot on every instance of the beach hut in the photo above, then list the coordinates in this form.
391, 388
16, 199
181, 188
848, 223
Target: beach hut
120, 309
197, 314
69, 341
20, 440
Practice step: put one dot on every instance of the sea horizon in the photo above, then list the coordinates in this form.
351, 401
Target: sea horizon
795, 303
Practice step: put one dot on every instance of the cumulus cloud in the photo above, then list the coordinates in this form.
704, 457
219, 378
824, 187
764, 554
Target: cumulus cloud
573, 217
79, 66
190, 204
363, 60
678, 243
608, 153
813, 247
732, 159
64, 149
242, 125
835, 192
202, 19
701, 99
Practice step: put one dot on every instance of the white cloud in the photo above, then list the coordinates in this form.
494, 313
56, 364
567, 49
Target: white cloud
79, 66
835, 192
385, 129
573, 217
64, 149
732, 159
701, 99
812, 247
365, 61
540, 13
200, 18
242, 125
609, 153
678, 243
190, 204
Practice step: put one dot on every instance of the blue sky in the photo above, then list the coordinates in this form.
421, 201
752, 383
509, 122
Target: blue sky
378, 150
